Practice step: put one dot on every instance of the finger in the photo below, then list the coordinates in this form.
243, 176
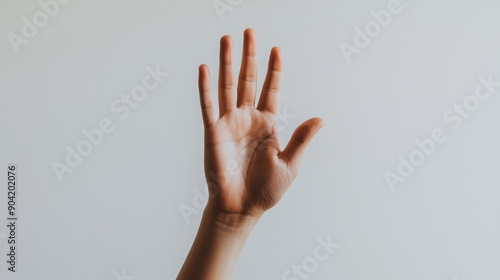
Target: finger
207, 106
299, 141
226, 82
247, 81
269, 97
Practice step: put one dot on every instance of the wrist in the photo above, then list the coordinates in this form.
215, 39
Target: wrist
218, 244
229, 222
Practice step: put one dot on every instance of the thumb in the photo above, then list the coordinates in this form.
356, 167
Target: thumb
300, 139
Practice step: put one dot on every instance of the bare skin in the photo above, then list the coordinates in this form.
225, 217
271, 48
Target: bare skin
245, 135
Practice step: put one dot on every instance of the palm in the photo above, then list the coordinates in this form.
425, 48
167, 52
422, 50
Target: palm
246, 170
242, 159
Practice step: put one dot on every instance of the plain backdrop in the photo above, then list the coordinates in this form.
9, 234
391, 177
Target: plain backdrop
119, 210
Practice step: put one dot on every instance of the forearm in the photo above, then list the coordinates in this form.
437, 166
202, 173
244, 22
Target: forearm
217, 245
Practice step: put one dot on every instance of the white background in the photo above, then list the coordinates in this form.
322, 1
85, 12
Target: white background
119, 209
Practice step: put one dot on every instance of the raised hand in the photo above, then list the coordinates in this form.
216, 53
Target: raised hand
246, 171
245, 168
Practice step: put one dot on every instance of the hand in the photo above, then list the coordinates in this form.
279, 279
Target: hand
244, 137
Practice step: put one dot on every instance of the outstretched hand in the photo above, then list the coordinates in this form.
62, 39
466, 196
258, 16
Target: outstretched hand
246, 171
